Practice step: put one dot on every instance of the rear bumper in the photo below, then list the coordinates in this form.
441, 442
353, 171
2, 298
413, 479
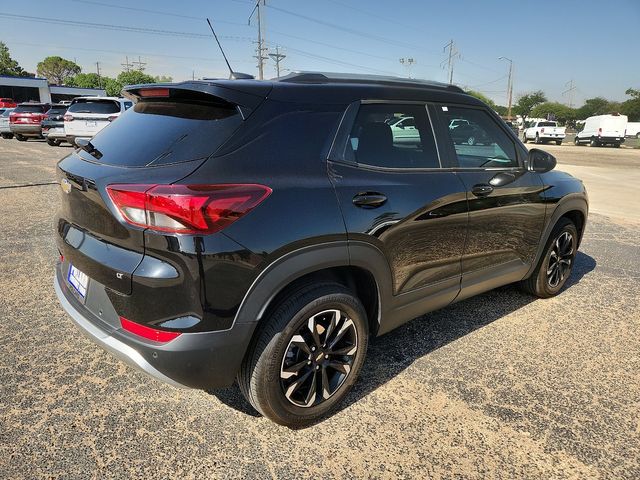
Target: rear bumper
204, 360
26, 130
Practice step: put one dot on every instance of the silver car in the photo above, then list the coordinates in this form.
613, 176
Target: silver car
4, 123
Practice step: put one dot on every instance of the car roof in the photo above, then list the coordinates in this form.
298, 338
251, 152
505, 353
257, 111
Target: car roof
328, 88
116, 99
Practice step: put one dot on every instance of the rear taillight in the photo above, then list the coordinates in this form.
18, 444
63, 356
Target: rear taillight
148, 332
599, 131
68, 117
112, 118
191, 209
542, 130
12, 118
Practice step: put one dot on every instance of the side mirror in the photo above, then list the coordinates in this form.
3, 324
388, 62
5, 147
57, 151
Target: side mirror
541, 161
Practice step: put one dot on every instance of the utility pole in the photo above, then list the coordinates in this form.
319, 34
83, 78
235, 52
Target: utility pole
453, 55
277, 57
126, 65
260, 47
408, 62
140, 64
99, 77
193, 74
509, 85
571, 88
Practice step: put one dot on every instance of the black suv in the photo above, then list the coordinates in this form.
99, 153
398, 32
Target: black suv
263, 231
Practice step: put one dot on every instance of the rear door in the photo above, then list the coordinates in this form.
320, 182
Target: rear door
396, 195
506, 201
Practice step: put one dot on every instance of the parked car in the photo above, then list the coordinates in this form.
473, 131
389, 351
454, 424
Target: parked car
5, 131
603, 130
469, 133
264, 231
633, 129
543, 132
86, 116
53, 125
7, 103
26, 120
404, 131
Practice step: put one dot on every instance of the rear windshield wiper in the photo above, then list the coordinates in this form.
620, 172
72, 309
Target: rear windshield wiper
88, 147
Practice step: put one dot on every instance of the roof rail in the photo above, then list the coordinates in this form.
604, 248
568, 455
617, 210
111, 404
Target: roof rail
332, 77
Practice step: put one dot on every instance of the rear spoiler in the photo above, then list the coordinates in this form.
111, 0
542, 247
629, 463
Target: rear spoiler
245, 99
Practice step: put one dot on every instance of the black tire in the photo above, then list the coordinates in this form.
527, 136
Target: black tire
53, 143
576, 141
261, 376
7, 136
558, 142
638, 135
616, 145
21, 138
594, 143
524, 138
553, 270
537, 140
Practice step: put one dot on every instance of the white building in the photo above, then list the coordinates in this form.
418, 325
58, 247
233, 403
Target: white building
23, 89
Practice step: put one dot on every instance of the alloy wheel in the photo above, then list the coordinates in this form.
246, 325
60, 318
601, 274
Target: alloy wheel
318, 358
560, 259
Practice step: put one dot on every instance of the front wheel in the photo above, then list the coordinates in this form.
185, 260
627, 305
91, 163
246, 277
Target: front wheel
576, 141
554, 268
7, 136
306, 355
53, 143
524, 138
538, 141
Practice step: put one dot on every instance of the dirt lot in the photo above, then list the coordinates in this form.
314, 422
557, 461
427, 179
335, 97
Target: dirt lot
498, 386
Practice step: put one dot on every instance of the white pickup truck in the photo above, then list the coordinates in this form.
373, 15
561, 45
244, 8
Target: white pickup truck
543, 132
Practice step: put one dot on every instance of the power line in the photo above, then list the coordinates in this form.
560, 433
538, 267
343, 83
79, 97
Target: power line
155, 12
572, 88
277, 57
373, 15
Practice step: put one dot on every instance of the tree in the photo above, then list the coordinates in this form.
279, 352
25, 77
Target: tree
86, 80
596, 106
9, 66
163, 79
112, 86
562, 113
527, 102
631, 107
134, 77
481, 96
57, 69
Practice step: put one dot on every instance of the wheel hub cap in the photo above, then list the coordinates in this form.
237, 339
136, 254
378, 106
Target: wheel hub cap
318, 358
560, 259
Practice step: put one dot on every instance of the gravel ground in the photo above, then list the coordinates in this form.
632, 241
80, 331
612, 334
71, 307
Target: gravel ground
498, 386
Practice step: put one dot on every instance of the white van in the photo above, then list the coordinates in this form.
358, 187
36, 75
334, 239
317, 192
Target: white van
633, 129
603, 130
86, 116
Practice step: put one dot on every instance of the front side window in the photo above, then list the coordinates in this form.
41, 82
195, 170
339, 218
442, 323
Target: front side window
478, 140
393, 136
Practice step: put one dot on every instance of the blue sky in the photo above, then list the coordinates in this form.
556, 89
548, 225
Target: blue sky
595, 44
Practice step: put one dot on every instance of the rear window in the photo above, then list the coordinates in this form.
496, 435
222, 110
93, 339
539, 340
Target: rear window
95, 106
57, 111
30, 109
156, 132
6, 113
547, 124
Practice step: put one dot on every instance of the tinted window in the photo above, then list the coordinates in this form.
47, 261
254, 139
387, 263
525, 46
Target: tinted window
95, 106
7, 113
173, 132
480, 142
30, 109
56, 111
547, 124
393, 136
128, 105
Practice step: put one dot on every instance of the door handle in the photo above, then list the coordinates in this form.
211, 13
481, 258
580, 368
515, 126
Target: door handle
369, 199
481, 190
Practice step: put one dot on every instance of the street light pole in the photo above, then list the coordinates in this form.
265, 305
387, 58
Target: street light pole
509, 85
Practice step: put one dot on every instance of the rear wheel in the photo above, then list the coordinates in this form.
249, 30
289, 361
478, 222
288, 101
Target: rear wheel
558, 142
616, 145
556, 265
53, 143
21, 138
638, 135
524, 138
538, 139
576, 141
7, 135
306, 355
594, 143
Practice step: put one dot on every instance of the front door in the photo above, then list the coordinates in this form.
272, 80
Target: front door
506, 201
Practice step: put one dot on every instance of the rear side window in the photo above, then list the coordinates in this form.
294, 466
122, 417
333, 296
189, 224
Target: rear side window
393, 136
7, 113
156, 132
30, 109
95, 106
479, 142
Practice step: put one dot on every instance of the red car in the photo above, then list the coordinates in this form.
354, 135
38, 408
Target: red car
7, 103
26, 120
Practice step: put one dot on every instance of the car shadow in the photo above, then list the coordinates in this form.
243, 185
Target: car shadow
392, 353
